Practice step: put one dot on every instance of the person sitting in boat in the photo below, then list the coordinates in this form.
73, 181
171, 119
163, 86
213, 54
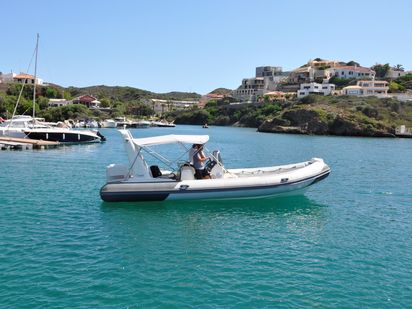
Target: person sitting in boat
199, 159
192, 152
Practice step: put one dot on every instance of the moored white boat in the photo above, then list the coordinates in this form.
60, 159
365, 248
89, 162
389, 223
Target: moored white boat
141, 124
23, 126
108, 123
139, 182
163, 124
15, 126
65, 135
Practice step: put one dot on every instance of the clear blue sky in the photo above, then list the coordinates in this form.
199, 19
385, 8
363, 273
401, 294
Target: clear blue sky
189, 45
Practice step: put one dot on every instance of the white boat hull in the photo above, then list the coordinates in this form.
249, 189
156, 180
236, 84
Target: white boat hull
289, 182
63, 135
12, 132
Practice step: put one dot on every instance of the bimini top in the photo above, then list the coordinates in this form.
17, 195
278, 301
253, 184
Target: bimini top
171, 139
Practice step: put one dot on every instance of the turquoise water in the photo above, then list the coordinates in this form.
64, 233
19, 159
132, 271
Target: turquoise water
346, 243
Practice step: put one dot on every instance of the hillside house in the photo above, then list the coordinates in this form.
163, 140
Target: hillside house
87, 100
396, 73
267, 79
208, 97
19, 78
162, 106
315, 88
58, 102
368, 88
357, 72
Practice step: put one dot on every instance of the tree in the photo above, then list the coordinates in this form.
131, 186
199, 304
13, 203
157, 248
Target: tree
51, 93
399, 67
394, 86
353, 63
105, 102
381, 69
340, 82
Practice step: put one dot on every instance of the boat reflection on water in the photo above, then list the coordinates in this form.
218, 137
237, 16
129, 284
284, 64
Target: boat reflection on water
269, 220
278, 205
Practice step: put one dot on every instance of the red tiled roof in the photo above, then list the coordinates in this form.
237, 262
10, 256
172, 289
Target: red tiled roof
86, 98
354, 68
24, 76
214, 95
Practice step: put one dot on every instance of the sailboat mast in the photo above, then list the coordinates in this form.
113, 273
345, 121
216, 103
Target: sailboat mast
35, 77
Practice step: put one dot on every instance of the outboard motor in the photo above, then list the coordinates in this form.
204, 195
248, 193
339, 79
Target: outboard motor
102, 138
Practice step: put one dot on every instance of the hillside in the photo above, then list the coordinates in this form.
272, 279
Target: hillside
123, 101
323, 115
125, 94
344, 115
222, 91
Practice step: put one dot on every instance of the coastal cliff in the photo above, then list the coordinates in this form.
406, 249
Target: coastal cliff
319, 121
320, 115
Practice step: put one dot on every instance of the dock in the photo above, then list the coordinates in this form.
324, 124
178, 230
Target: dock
15, 143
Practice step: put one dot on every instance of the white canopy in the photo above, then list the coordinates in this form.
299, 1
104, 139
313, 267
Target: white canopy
170, 139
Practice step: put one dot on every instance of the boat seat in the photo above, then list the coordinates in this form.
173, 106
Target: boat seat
155, 170
187, 173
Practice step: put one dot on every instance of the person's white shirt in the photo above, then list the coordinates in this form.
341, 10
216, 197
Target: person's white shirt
192, 152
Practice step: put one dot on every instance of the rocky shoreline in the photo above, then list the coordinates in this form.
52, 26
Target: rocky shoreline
304, 121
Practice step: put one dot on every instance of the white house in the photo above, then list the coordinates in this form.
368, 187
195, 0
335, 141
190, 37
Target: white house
161, 106
58, 102
315, 88
358, 72
20, 78
7, 78
396, 73
368, 88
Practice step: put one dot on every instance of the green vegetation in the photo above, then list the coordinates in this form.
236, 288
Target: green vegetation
119, 101
381, 69
313, 114
342, 82
353, 63
404, 82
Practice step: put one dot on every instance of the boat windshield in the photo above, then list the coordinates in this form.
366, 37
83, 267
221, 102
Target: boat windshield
16, 123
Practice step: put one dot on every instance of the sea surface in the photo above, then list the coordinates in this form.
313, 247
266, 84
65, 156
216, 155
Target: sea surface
347, 243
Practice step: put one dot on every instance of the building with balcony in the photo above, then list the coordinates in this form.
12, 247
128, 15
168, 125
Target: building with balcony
357, 72
323, 64
315, 88
314, 70
162, 106
368, 88
266, 79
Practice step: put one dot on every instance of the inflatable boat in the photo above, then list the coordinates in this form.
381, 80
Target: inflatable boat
140, 182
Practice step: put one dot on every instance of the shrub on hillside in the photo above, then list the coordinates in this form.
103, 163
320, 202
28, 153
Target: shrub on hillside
309, 99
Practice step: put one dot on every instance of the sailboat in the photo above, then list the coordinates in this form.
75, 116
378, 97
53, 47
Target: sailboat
36, 128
